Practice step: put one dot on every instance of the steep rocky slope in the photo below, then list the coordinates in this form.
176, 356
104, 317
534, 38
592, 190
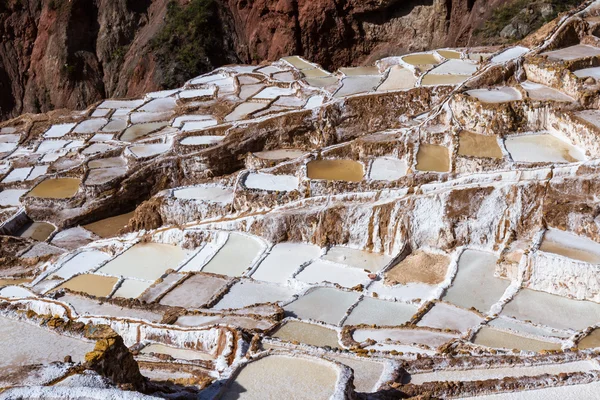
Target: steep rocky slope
71, 53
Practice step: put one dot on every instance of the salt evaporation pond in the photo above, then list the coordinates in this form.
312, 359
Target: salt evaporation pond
314, 335
593, 72
398, 79
57, 188
82, 262
320, 271
244, 110
298, 62
432, 79
26, 344
335, 170
323, 304
283, 377
380, 312
509, 55
497, 339
591, 341
554, 311
372, 262
475, 284
270, 182
235, 256
357, 71
10, 197
131, 289
280, 154
176, 353
147, 261
203, 286
537, 91
109, 227
211, 194
433, 158
542, 148
496, 95
366, 373
358, 84
567, 392
201, 140
246, 293
39, 231
111, 162
421, 59
449, 54
404, 336
419, 267
283, 260
573, 52
475, 145
137, 131
94, 285
387, 169
572, 246
149, 150
445, 316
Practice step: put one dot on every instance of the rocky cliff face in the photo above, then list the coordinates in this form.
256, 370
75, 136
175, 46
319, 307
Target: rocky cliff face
71, 53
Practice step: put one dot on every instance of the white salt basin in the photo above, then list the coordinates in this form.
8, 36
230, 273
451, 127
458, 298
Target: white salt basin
570, 245
588, 73
201, 140
37, 171
159, 105
366, 373
358, 84
311, 334
380, 312
274, 92
201, 80
177, 353
247, 293
494, 338
474, 284
372, 262
149, 150
146, 261
82, 262
143, 117
97, 148
411, 291
573, 53
591, 116
210, 194
281, 154
283, 377
404, 336
323, 304
537, 91
511, 324
100, 176
121, 104
10, 197
455, 67
60, 130
90, 126
387, 169
17, 175
398, 79
261, 181
190, 126
107, 162
568, 392
195, 93
51, 145
542, 148
235, 256
85, 306
131, 289
283, 260
16, 292
204, 287
137, 131
298, 62
509, 55
6, 147
320, 271
179, 121
198, 261
244, 110
115, 126
502, 372
496, 95
445, 316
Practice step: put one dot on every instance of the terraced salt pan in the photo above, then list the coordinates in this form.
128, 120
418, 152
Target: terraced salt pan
411, 291
6, 147
82, 262
191, 126
235, 256
496, 95
273, 92
474, 284
116, 125
335, 170
203, 287
37, 171
17, 175
298, 62
582, 391
283, 260
207, 252
439, 80
357, 71
179, 121
573, 52
131, 289
404, 336
94, 285
58, 188
591, 116
248, 91
107, 163
51, 145
474, 145
494, 338
315, 73
387, 169
211, 320
196, 93
372, 262
91, 125
211, 194
322, 82
147, 261
542, 148
311, 334
283, 377
16, 292
591, 341
525, 328
100, 176
244, 110
449, 54
143, 117
137, 131
572, 246
280, 154
247, 293
323, 304
509, 55
159, 105
203, 80
60, 130
554, 311
284, 77
109, 227
380, 312
149, 150
593, 72
28, 344
419, 267
421, 59
358, 84
270, 182
500, 373
201, 140
177, 353
121, 103
455, 67
537, 91
320, 271
86, 306
10, 197
433, 158
97, 148
445, 316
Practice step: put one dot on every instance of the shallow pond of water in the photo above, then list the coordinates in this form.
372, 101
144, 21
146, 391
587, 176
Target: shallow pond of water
494, 338
177, 353
247, 293
323, 304
235, 256
474, 145
311, 334
572, 246
203, 286
280, 154
137, 131
591, 341
39, 231
542, 148
372, 262
283, 260
380, 312
421, 59
211, 194
57, 188
110, 227
433, 158
335, 170
387, 169
443, 79
94, 285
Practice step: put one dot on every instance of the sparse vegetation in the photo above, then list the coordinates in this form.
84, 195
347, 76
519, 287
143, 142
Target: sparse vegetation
191, 42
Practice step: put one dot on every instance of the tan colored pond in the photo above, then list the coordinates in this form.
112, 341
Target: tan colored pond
421, 59
95, 285
109, 227
498, 339
443, 79
311, 334
39, 231
58, 188
591, 341
474, 145
335, 170
449, 54
433, 158
419, 267
136, 131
